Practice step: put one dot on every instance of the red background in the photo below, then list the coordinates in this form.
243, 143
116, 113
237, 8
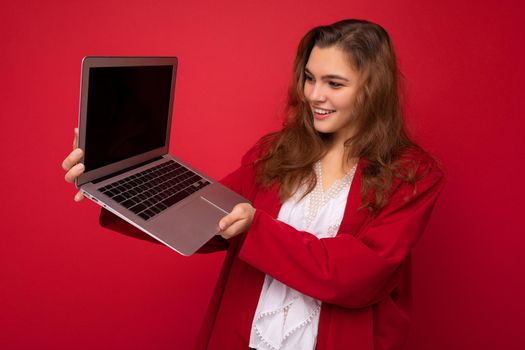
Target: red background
66, 283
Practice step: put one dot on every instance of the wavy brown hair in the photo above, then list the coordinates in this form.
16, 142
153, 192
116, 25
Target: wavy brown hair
380, 138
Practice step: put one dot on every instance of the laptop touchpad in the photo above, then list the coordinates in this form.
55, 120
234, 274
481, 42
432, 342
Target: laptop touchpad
200, 217
189, 227
203, 215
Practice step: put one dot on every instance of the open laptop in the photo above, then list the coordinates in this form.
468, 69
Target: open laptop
124, 129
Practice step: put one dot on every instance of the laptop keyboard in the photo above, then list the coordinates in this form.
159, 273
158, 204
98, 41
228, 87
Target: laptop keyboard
154, 190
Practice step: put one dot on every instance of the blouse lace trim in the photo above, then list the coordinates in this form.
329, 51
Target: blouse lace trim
318, 197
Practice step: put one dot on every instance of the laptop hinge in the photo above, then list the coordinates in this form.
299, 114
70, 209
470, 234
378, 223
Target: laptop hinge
125, 170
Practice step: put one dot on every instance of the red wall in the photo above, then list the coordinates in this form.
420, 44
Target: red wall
66, 283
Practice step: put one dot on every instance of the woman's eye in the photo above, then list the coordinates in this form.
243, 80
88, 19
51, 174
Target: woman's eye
334, 85
308, 78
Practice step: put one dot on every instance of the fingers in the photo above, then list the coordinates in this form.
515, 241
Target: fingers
236, 222
238, 212
75, 138
71, 165
78, 197
73, 158
226, 222
74, 172
234, 229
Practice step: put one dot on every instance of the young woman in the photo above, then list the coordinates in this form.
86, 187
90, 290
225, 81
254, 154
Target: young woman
321, 259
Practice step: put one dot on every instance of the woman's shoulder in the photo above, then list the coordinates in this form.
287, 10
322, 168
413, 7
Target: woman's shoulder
416, 163
417, 174
258, 150
253, 153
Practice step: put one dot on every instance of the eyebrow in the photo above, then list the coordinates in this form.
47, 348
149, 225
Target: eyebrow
329, 76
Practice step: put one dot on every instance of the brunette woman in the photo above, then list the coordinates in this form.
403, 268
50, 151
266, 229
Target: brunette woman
321, 259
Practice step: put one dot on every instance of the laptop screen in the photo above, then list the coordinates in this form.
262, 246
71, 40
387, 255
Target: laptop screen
127, 112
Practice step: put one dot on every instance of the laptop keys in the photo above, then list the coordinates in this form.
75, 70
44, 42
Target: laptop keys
152, 191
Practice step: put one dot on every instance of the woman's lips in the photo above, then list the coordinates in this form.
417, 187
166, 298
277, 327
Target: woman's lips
322, 114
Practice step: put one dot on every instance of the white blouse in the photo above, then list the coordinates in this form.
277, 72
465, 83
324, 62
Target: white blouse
285, 318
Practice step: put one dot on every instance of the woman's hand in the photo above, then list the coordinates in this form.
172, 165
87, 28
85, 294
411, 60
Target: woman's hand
73, 167
236, 222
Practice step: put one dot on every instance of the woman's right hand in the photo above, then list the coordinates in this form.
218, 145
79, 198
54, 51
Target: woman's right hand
73, 167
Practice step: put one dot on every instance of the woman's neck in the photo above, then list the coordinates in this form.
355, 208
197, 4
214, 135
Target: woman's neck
336, 161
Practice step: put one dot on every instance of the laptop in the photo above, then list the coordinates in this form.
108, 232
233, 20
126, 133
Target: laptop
124, 129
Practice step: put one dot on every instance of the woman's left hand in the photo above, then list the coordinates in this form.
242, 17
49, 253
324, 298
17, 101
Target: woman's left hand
238, 221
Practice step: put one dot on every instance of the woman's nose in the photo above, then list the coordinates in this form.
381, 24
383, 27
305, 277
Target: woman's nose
317, 93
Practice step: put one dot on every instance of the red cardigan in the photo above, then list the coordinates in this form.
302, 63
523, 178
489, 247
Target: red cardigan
362, 276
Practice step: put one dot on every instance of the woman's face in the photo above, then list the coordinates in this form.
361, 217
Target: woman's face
330, 87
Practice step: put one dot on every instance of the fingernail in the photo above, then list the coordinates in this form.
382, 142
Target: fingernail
77, 152
80, 167
221, 225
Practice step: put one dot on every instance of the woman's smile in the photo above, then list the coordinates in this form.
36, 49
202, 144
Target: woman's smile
321, 113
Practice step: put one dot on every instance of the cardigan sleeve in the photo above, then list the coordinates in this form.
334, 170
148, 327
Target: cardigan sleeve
352, 269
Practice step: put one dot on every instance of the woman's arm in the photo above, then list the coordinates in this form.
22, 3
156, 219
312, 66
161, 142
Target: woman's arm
348, 270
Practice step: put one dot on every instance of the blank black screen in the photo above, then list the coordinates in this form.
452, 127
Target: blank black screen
127, 112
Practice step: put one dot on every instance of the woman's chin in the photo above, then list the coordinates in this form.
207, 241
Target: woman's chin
323, 128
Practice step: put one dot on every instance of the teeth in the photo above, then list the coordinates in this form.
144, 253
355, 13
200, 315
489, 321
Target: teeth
323, 111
